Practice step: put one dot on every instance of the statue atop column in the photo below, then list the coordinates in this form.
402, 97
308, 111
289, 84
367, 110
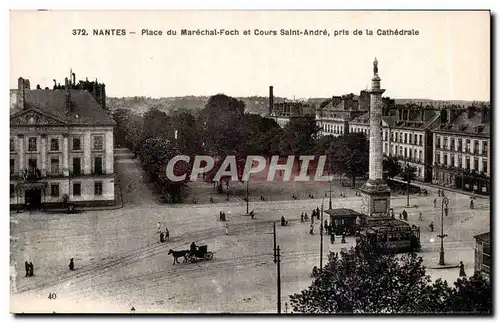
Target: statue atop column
375, 67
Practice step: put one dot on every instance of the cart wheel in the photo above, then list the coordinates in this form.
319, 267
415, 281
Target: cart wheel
188, 256
193, 259
209, 255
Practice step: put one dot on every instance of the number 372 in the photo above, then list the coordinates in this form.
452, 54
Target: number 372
80, 32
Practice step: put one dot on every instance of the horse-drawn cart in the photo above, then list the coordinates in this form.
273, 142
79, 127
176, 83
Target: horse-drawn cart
201, 253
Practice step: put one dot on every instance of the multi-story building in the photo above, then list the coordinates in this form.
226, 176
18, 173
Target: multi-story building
462, 149
61, 147
406, 135
334, 116
283, 112
482, 254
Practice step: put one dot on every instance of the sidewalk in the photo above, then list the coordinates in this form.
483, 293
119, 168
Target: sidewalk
431, 187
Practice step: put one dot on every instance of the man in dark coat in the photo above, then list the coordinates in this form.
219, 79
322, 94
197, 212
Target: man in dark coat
192, 248
162, 237
71, 264
302, 217
332, 237
317, 213
27, 268
31, 269
462, 270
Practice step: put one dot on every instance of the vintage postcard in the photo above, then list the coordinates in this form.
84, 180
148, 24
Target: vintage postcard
256, 162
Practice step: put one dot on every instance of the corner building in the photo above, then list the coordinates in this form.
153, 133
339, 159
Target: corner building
61, 148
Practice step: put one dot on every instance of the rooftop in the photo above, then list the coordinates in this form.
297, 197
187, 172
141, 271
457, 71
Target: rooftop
483, 237
343, 212
84, 108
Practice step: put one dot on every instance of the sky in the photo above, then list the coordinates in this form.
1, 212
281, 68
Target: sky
448, 60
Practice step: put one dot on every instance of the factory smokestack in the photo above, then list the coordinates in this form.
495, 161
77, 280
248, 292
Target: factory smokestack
271, 100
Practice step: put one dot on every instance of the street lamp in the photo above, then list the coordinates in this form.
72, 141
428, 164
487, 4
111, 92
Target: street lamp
444, 206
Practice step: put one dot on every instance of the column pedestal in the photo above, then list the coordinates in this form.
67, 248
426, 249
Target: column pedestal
376, 198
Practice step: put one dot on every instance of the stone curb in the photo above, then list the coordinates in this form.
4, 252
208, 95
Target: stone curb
442, 267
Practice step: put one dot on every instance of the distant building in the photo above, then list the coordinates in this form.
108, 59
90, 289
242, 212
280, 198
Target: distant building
482, 259
61, 147
334, 117
283, 112
462, 157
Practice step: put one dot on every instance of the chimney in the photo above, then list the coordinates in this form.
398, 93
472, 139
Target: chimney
74, 78
68, 94
21, 93
271, 100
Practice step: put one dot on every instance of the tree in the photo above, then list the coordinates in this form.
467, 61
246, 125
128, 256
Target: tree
349, 155
368, 282
257, 133
301, 134
391, 166
221, 120
470, 295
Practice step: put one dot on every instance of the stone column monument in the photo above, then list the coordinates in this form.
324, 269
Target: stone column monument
375, 192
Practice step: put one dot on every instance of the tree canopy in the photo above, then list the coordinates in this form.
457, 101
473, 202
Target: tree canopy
368, 282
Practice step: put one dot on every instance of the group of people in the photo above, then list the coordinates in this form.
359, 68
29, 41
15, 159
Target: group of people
163, 236
28, 266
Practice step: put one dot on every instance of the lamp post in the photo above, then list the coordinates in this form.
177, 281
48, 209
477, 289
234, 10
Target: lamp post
330, 201
247, 198
444, 205
321, 239
407, 170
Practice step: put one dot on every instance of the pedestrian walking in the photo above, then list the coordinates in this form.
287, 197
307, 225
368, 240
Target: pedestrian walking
302, 217
158, 226
471, 204
71, 264
162, 238
434, 202
326, 224
431, 226
420, 216
400, 216
27, 268
332, 237
31, 269
227, 229
311, 229
343, 238
167, 235
462, 270
306, 217
405, 215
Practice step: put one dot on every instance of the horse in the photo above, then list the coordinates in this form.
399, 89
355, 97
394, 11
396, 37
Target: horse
178, 254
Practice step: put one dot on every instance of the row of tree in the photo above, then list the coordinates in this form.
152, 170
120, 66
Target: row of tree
223, 128
355, 282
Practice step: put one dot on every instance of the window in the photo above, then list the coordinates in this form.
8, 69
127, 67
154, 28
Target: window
415, 139
406, 137
452, 160
54, 166
459, 145
392, 136
400, 151
76, 143
459, 161
77, 189
54, 190
452, 144
32, 144
467, 143
32, 162
410, 151
476, 164
445, 142
438, 158
476, 146
98, 143
400, 137
445, 159
98, 188
438, 142
12, 144
485, 166
77, 168
420, 142
98, 165
467, 162
420, 155
12, 166
12, 190
485, 147
54, 144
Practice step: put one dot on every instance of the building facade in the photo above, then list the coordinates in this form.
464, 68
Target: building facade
61, 148
461, 156
482, 253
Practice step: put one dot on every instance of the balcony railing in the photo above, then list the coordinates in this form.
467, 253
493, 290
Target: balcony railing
32, 174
